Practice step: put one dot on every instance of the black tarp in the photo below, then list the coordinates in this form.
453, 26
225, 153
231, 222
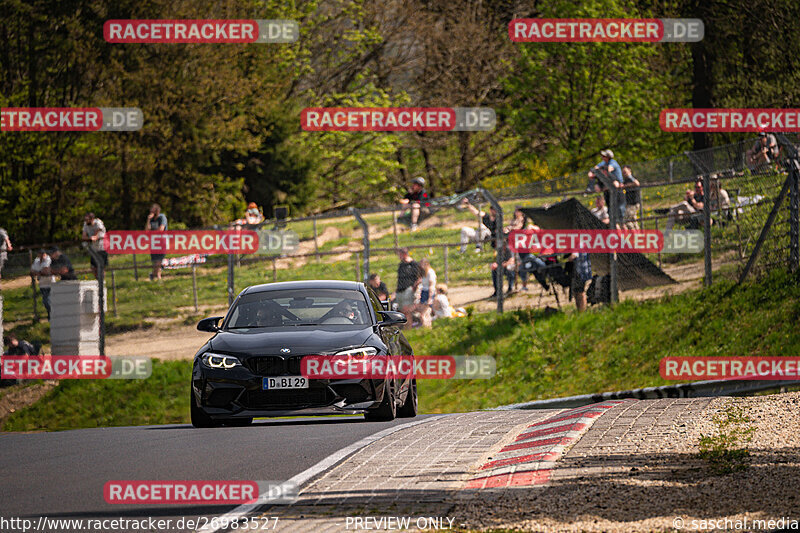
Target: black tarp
634, 271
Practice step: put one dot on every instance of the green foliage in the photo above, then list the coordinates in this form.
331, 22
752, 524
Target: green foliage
582, 97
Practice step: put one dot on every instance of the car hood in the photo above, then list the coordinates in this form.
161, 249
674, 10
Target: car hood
301, 340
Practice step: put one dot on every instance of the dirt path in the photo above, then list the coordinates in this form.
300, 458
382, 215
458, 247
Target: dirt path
15, 283
165, 341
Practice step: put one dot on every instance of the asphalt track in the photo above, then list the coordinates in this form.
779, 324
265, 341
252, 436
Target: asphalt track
62, 474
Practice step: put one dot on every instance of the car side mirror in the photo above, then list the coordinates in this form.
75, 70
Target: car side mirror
210, 324
391, 318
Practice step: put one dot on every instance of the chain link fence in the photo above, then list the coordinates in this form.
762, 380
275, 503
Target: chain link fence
748, 220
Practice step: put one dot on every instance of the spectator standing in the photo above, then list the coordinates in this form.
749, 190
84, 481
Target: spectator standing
633, 198
378, 286
692, 203
60, 265
581, 273
416, 196
614, 171
409, 277
156, 221
441, 304
428, 282
93, 232
487, 230
506, 258
5, 247
45, 281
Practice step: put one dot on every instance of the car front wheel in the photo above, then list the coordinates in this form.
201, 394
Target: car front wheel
387, 411
409, 407
199, 417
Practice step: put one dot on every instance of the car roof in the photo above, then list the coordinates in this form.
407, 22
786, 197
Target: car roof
305, 284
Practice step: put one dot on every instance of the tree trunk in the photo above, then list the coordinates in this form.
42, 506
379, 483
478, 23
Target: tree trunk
465, 149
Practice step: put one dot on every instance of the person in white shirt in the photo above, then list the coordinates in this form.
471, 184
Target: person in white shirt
93, 232
441, 305
45, 280
428, 282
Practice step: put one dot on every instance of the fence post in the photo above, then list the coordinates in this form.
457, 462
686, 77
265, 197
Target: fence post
479, 229
794, 216
274, 268
364, 240
670, 169
33, 289
113, 293
194, 286
707, 228
612, 257
316, 242
231, 274
135, 270
659, 251
394, 226
446, 266
498, 245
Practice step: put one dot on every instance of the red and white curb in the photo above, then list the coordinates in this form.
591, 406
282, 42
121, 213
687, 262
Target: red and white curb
529, 460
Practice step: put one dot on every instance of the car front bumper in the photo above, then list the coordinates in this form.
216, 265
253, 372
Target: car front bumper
238, 393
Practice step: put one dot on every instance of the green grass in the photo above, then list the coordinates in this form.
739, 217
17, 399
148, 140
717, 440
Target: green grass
606, 349
163, 398
537, 356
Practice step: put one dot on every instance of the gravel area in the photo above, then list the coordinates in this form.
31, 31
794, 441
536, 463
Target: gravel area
639, 471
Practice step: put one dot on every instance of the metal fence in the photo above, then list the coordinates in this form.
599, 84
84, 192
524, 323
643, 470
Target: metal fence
749, 221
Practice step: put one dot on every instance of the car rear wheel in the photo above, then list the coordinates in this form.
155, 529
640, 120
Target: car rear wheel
387, 411
199, 417
409, 407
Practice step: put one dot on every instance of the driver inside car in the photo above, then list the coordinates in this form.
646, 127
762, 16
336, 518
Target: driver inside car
267, 316
345, 309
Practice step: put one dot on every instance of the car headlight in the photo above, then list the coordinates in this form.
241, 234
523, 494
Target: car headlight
341, 358
215, 360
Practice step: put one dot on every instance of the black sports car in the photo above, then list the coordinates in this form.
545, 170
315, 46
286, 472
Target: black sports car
252, 366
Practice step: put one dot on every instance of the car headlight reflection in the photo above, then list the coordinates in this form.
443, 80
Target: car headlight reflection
342, 358
215, 360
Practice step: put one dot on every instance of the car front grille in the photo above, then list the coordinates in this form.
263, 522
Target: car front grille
273, 365
285, 399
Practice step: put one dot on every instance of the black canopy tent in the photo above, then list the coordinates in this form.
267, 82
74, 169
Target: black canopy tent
634, 270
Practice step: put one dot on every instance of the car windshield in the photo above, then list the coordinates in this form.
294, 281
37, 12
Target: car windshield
307, 307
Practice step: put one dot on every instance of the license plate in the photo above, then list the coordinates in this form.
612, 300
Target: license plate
284, 382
